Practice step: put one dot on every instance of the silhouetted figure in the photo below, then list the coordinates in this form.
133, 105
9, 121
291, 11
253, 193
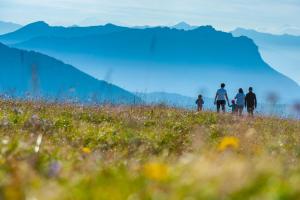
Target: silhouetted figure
221, 98
250, 102
233, 107
199, 103
240, 101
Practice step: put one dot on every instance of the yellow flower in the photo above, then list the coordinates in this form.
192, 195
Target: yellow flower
156, 171
86, 150
229, 143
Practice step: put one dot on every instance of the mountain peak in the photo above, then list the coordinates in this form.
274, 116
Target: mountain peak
38, 24
7, 27
183, 26
207, 28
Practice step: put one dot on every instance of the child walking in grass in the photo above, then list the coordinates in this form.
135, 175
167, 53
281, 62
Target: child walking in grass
200, 103
233, 107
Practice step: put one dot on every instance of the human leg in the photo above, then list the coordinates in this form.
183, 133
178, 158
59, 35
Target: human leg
240, 110
222, 105
250, 111
218, 106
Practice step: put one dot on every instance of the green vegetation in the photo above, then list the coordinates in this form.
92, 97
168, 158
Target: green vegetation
51, 151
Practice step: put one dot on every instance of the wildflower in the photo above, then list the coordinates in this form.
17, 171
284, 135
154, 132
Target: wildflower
156, 171
2, 161
86, 150
54, 169
5, 141
38, 143
228, 143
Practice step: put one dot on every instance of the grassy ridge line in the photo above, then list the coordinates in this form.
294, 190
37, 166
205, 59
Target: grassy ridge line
52, 151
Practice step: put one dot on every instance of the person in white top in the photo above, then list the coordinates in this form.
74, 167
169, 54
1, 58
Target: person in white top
221, 98
240, 101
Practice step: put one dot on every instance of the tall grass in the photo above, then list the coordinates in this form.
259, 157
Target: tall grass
64, 151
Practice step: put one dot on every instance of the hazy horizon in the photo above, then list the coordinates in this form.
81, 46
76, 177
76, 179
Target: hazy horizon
276, 17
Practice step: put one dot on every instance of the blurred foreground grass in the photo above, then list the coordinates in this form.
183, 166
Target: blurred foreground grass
51, 151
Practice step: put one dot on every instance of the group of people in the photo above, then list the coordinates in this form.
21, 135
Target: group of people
237, 105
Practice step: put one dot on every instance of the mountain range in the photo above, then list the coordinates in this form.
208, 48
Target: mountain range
34, 75
281, 51
180, 26
7, 27
173, 100
159, 58
42, 29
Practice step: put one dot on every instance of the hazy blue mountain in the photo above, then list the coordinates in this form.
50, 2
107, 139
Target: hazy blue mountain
7, 27
267, 39
30, 74
184, 26
173, 99
281, 51
180, 26
165, 59
42, 29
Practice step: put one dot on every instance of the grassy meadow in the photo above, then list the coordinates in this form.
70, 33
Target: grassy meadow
69, 152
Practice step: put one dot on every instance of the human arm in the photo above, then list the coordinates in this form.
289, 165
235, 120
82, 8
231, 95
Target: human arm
255, 101
216, 98
227, 98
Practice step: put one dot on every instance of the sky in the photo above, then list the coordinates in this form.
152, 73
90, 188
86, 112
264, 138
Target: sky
274, 16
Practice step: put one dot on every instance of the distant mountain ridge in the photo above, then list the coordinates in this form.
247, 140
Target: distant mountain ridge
267, 39
173, 100
30, 74
163, 59
281, 51
7, 27
180, 26
42, 29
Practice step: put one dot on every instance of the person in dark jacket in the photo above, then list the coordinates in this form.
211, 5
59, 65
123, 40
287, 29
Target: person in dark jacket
250, 101
200, 103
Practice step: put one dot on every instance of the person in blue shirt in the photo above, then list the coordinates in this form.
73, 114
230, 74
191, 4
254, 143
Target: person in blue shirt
240, 101
221, 98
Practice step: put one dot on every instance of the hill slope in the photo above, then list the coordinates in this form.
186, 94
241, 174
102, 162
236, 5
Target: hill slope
25, 72
7, 27
164, 59
281, 51
56, 152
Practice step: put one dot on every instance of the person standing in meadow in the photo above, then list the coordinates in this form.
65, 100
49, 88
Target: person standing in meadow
221, 98
200, 103
240, 101
250, 102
